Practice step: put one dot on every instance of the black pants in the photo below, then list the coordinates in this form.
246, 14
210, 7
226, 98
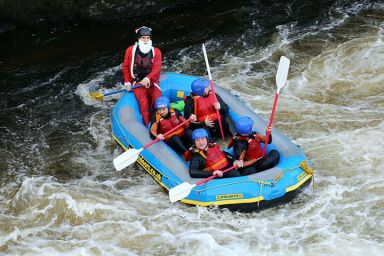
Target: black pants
181, 144
228, 127
268, 161
231, 173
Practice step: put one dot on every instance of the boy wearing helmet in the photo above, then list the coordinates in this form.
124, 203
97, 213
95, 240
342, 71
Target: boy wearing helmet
201, 103
165, 119
207, 159
247, 149
142, 64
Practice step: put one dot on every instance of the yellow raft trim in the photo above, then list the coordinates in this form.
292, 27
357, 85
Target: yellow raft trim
143, 163
221, 202
242, 201
297, 185
224, 202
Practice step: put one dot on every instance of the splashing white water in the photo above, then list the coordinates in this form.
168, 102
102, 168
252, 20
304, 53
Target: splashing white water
333, 108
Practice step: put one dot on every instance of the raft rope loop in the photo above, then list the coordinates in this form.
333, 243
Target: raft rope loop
304, 166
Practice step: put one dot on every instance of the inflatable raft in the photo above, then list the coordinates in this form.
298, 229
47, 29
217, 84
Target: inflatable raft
278, 184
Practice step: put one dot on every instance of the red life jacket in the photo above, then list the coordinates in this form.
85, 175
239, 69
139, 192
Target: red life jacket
166, 124
254, 150
203, 107
215, 158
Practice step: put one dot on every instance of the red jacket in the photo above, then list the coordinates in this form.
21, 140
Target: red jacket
153, 76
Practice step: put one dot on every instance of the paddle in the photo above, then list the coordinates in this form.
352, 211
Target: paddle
100, 96
184, 189
281, 81
213, 91
130, 156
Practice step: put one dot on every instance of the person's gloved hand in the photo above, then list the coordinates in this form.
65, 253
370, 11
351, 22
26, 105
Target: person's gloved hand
238, 163
218, 173
193, 118
146, 82
208, 122
128, 86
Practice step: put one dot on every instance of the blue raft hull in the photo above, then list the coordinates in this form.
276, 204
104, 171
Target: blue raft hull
266, 188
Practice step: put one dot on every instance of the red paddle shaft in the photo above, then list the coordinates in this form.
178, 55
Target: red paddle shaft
168, 132
214, 176
270, 124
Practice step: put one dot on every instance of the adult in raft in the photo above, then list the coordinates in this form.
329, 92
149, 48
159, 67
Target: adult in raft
201, 103
207, 159
142, 65
166, 118
247, 149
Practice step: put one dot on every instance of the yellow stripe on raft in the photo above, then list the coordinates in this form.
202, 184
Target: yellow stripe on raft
238, 201
297, 185
147, 167
221, 202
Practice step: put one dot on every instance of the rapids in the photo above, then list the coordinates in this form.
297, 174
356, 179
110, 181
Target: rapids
60, 194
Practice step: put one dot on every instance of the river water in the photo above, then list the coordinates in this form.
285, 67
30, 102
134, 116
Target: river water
60, 194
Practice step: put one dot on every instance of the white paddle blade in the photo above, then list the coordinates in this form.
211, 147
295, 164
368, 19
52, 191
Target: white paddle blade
127, 158
206, 62
282, 73
180, 191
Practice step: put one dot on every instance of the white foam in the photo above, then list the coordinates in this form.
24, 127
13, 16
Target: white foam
95, 84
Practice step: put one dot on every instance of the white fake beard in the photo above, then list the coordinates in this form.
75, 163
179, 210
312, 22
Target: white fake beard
145, 47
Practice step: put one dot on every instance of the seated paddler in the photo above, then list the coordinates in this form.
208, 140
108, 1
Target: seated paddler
166, 118
202, 103
248, 151
207, 159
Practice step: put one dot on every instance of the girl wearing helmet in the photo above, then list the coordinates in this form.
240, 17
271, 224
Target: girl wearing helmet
248, 151
201, 103
207, 159
142, 64
166, 118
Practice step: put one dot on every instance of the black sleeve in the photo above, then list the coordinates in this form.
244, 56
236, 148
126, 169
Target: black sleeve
196, 167
177, 112
238, 147
188, 108
153, 118
224, 109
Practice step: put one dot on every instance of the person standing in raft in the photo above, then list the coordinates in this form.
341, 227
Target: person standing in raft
165, 119
142, 65
207, 159
247, 149
201, 103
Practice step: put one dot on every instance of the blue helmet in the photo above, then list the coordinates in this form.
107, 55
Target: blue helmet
162, 102
199, 133
199, 85
244, 125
